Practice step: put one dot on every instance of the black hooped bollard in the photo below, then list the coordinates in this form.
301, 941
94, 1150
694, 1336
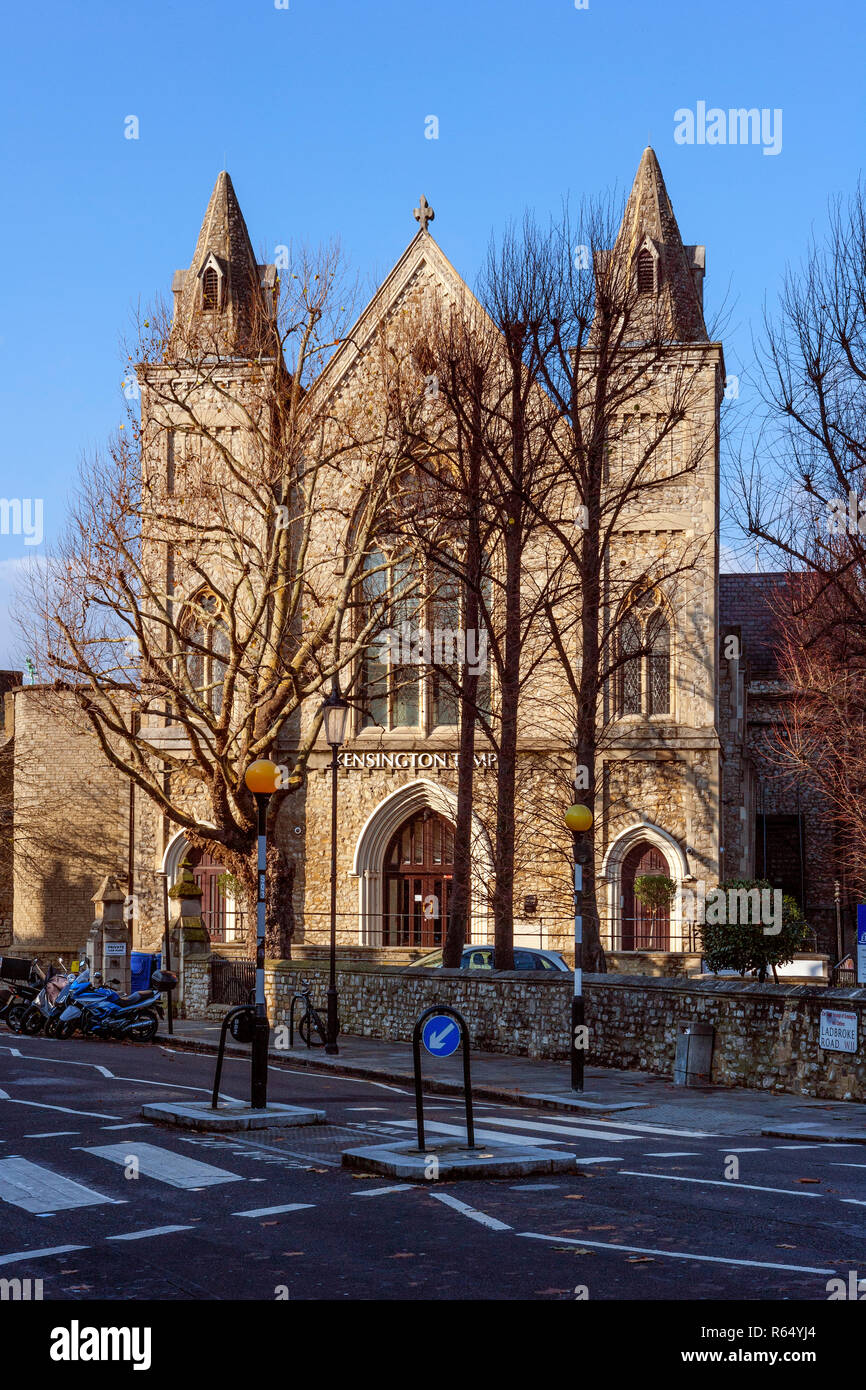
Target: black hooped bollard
467, 1084
247, 1009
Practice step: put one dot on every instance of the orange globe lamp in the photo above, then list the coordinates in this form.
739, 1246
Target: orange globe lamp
578, 819
261, 777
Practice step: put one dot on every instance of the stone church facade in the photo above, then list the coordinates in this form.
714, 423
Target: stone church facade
685, 786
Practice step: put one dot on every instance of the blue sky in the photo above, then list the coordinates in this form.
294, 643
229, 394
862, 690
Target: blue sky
318, 111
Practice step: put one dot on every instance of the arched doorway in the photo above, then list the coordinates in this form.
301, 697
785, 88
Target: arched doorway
222, 914
418, 869
643, 928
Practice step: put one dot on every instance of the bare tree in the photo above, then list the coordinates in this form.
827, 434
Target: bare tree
584, 401
802, 496
198, 595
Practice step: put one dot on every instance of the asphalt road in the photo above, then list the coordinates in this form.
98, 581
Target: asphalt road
652, 1214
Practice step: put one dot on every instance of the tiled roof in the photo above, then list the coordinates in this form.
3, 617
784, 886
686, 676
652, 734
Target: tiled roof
746, 602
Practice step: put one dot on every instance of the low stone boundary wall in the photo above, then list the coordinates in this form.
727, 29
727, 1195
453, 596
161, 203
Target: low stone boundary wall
766, 1036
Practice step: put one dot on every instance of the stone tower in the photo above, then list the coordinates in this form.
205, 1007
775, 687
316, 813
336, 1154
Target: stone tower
662, 774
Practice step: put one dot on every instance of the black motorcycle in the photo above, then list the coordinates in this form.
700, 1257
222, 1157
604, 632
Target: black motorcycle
20, 983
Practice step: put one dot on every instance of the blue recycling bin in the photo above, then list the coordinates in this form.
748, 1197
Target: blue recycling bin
141, 967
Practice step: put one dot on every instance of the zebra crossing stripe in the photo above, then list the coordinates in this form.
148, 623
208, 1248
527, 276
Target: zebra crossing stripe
154, 1231
565, 1130
39, 1190
489, 1136
163, 1165
275, 1211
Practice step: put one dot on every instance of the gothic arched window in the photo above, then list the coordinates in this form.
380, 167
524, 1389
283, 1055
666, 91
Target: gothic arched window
413, 667
644, 672
210, 289
646, 273
207, 643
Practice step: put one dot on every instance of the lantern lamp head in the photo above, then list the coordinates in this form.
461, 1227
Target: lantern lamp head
335, 715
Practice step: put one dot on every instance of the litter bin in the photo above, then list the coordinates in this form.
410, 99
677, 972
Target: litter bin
694, 1057
141, 966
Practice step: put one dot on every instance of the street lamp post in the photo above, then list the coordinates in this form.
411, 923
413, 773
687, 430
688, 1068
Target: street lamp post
335, 714
578, 819
261, 780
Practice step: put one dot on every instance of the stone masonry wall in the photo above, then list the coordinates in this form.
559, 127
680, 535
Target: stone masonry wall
766, 1036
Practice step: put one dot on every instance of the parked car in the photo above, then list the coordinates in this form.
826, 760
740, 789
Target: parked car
481, 958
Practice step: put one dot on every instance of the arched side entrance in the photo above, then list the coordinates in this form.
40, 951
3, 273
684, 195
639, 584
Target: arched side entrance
643, 848
643, 928
376, 838
221, 915
419, 870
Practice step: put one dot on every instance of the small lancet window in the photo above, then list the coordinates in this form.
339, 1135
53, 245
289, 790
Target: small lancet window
646, 273
210, 289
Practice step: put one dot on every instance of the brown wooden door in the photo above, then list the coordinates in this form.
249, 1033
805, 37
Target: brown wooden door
207, 872
643, 928
419, 868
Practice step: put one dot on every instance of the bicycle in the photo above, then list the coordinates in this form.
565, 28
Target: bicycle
309, 1022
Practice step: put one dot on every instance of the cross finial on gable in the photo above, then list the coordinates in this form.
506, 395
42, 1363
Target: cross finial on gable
423, 213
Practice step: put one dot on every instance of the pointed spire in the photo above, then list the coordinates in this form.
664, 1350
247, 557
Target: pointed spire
649, 222
224, 297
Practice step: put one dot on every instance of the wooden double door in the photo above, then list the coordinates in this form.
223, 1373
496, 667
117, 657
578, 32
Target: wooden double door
419, 871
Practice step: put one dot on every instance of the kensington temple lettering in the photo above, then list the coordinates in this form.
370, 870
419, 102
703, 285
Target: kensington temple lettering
409, 761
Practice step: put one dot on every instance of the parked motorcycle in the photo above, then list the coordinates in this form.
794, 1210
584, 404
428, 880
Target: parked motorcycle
84, 990
75, 984
22, 981
41, 1010
100, 1012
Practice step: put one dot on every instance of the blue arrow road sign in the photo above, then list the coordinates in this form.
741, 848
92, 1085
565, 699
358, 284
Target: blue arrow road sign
440, 1035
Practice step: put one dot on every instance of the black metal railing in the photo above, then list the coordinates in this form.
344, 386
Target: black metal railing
231, 981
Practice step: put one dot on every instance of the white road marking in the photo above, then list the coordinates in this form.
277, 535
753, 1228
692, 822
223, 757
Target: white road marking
474, 1215
39, 1254
40, 1105
616, 1158
853, 1201
52, 1133
848, 1165
729, 1149
657, 1129
165, 1166
136, 1124
816, 1146
154, 1231
13, 1051
367, 1107
567, 1131
275, 1211
294, 1071
676, 1254
719, 1182
37, 1189
488, 1135
380, 1191
673, 1153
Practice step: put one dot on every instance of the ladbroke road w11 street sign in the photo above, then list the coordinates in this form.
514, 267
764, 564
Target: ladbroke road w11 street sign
440, 1035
